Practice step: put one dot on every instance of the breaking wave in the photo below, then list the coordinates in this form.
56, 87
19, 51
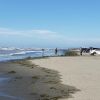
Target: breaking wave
24, 52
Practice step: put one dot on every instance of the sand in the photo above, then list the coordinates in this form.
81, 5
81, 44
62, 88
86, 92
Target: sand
53, 78
22, 80
81, 72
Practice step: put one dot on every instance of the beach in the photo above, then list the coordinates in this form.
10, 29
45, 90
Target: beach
81, 72
51, 78
22, 80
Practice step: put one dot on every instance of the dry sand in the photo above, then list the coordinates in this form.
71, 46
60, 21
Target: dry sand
81, 72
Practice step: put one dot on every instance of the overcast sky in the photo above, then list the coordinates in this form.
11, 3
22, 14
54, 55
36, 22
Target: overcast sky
49, 23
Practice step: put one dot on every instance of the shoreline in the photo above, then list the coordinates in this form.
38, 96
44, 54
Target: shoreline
30, 81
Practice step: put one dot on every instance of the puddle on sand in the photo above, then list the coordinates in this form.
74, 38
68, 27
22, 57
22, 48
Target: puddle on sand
3, 79
6, 97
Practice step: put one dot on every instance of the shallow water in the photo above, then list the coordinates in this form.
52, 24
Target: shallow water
3, 79
4, 96
6, 55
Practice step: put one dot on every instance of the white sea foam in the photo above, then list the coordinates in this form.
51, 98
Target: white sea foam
7, 49
24, 52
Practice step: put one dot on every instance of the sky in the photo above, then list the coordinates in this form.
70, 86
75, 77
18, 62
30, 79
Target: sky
49, 23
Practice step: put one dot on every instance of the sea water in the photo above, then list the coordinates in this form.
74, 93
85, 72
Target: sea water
12, 54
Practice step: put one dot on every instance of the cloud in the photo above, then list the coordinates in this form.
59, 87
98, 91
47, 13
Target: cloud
6, 31
48, 37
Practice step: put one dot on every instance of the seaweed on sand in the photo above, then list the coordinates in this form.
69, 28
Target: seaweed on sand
47, 84
12, 72
49, 87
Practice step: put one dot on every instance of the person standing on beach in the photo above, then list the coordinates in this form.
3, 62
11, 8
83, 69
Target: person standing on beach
56, 51
42, 52
81, 50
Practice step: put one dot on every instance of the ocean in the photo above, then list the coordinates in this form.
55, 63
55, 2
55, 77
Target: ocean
7, 54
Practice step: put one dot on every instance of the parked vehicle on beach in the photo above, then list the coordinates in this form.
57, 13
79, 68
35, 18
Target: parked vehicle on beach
95, 51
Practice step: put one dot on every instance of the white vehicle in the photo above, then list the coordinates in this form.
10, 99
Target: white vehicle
95, 51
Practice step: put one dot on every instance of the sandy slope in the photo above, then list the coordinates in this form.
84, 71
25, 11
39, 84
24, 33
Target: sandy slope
81, 72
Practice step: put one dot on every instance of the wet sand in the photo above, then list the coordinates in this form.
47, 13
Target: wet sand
22, 80
81, 72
